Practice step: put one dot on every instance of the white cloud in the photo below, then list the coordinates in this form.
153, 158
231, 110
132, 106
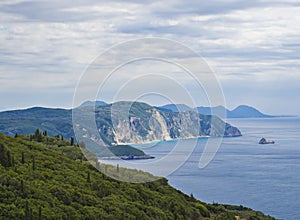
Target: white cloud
52, 41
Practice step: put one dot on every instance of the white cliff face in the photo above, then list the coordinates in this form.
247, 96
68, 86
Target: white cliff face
158, 126
136, 130
147, 124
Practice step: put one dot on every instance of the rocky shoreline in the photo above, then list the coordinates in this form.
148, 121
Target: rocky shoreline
144, 157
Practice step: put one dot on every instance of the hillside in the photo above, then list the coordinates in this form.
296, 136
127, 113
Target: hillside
145, 123
55, 121
45, 178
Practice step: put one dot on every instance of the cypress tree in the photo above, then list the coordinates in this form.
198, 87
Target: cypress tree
33, 163
39, 137
27, 212
40, 213
31, 216
2, 154
72, 141
88, 177
8, 159
37, 132
22, 187
23, 158
5, 157
12, 161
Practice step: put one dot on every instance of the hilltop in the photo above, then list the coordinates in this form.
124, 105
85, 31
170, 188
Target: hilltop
46, 177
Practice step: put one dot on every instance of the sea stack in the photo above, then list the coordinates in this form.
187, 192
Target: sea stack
264, 141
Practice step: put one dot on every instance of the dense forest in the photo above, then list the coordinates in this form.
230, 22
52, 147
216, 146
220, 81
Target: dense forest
44, 177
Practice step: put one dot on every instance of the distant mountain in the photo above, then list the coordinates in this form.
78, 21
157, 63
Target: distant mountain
242, 111
218, 110
175, 108
92, 103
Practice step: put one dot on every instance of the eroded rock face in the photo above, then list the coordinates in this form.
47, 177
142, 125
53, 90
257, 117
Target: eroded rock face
149, 124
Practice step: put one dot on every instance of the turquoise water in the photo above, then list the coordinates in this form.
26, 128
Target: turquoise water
262, 177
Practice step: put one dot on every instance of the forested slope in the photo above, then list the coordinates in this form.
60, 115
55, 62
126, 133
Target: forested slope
45, 177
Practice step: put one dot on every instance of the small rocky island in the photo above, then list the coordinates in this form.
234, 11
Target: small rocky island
264, 141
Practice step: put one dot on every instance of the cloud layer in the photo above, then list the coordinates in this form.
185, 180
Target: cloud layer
253, 46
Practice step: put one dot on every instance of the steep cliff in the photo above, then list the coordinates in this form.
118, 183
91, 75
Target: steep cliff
118, 123
144, 123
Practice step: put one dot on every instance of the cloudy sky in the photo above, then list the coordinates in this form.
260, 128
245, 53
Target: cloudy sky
252, 46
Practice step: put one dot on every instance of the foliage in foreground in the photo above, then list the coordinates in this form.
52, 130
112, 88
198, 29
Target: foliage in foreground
45, 177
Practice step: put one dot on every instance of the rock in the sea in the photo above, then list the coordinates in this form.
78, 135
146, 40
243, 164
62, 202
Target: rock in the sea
264, 141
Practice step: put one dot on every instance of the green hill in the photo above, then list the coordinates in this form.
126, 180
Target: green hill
44, 177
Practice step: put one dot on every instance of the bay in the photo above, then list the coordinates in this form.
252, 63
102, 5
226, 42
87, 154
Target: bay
262, 177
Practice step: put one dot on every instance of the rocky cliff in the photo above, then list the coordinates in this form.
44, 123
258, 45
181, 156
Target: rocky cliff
123, 123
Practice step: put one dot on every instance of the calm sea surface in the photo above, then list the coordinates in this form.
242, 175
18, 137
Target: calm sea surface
262, 177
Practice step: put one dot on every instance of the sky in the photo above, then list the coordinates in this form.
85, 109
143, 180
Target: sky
252, 46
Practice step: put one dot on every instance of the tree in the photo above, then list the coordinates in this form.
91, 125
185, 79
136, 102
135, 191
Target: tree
88, 177
2, 154
23, 158
37, 132
12, 161
22, 187
33, 162
27, 211
38, 135
40, 213
72, 141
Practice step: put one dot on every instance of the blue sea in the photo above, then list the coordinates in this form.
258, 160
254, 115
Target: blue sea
262, 177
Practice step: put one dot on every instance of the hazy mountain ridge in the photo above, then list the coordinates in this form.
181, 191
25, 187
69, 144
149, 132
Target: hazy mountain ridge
242, 111
92, 103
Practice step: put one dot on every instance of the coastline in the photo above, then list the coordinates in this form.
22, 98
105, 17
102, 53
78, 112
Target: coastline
169, 140
144, 157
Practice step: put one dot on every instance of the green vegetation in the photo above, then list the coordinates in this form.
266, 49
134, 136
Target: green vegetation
44, 177
55, 121
126, 150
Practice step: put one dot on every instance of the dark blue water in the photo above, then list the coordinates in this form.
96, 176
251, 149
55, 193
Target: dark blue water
262, 177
